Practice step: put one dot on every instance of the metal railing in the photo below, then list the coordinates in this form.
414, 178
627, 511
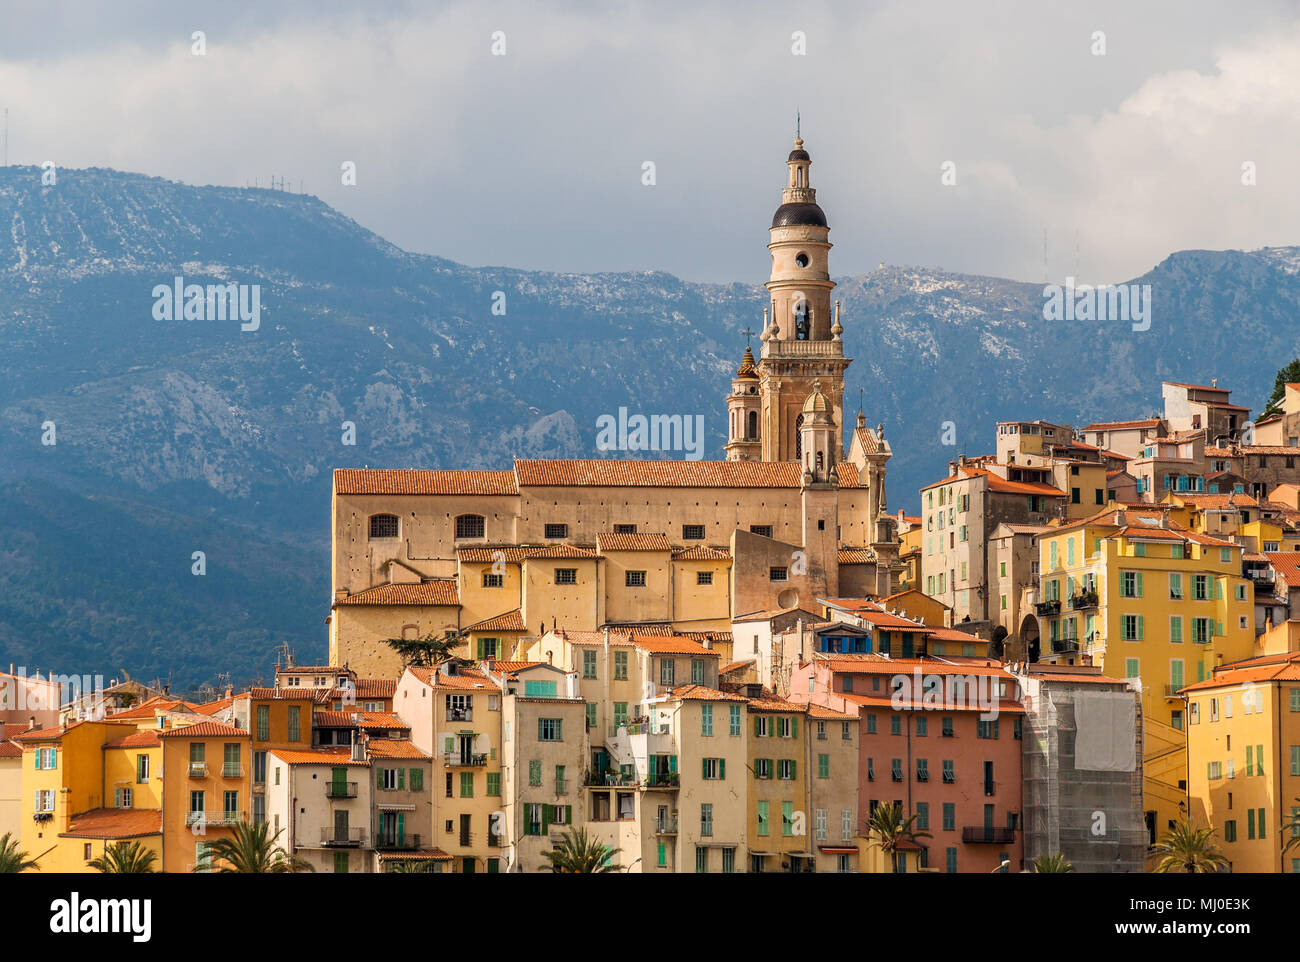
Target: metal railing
217, 818
985, 833
464, 759
341, 789
342, 838
1048, 608
666, 826
617, 780
198, 769
1086, 599
398, 842
232, 770
664, 780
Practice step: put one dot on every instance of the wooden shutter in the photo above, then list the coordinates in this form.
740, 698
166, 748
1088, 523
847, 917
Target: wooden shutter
794, 726
722, 768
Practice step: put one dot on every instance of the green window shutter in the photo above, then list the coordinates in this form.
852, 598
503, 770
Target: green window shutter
1138, 580
568, 814
794, 726
793, 766
672, 764
722, 768
417, 779
547, 818
1140, 620
704, 768
757, 727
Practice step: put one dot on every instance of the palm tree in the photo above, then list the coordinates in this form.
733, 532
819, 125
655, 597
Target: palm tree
1057, 863
408, 868
578, 853
889, 831
250, 850
1185, 848
126, 858
1293, 836
12, 858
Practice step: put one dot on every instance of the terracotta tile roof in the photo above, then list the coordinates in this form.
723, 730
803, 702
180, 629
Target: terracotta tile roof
867, 437
488, 554
509, 621
671, 645
616, 637
703, 636
9, 750
1287, 564
953, 634
1216, 500
881, 619
376, 687
207, 729
770, 702
280, 694
821, 711
558, 551
406, 481
847, 473
736, 666
701, 552
149, 708
1122, 425
424, 855
1281, 667
145, 739
916, 591
1199, 387
369, 719
855, 556
1270, 449
660, 474
110, 823
317, 756
1080, 679
1006, 706
997, 484
510, 667
466, 679
700, 693
443, 592
632, 542
43, 734
393, 748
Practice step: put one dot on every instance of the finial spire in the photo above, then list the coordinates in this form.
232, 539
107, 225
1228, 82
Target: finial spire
797, 125
748, 334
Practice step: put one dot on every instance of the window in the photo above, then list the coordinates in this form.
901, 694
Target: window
550, 729
666, 671
566, 576
625, 529
620, 666
735, 720
588, 663
534, 773
761, 529
787, 819
764, 827
556, 532
728, 860
122, 797
634, 579
1131, 584
777, 574
706, 720
697, 671
1201, 587
823, 766
706, 819
141, 769
785, 769
949, 816
469, 526
762, 768
949, 775
714, 769
466, 784
704, 577
692, 532
383, 526
493, 581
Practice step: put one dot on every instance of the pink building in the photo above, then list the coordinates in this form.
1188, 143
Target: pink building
939, 737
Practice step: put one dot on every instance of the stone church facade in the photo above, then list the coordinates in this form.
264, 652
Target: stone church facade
665, 547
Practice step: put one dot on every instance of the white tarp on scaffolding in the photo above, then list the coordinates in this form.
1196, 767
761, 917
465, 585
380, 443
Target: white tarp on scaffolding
1106, 734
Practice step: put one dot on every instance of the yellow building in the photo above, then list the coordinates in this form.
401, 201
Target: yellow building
1136, 594
1243, 748
205, 791
779, 833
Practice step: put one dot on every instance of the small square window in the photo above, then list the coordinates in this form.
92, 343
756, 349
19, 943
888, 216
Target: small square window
778, 574
556, 532
635, 579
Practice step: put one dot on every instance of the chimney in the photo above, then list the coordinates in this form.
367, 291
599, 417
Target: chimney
341, 593
31, 723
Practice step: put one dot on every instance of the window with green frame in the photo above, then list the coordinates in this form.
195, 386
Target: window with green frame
706, 719
735, 717
494, 784
535, 772
823, 766
340, 863
417, 779
588, 663
787, 819
764, 827
295, 724
466, 784
701, 858
620, 666
263, 723
591, 714
697, 671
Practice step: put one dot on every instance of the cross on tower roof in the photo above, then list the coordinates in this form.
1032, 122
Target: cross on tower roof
748, 334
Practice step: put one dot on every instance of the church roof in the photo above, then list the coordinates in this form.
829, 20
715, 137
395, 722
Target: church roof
408, 481
746, 368
799, 214
659, 474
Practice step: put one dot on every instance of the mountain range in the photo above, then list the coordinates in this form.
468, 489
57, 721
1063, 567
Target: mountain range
172, 437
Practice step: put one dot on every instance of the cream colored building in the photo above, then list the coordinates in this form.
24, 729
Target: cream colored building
319, 801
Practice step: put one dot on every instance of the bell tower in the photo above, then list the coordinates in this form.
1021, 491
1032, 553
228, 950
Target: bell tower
802, 351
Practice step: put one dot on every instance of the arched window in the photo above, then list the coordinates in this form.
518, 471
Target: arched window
469, 526
802, 320
753, 425
383, 526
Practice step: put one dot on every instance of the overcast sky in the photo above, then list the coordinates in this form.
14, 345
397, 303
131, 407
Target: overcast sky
534, 159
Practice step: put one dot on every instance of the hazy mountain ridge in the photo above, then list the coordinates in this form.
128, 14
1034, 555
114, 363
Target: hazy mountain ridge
229, 428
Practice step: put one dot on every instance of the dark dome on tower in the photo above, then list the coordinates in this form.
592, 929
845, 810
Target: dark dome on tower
798, 154
797, 214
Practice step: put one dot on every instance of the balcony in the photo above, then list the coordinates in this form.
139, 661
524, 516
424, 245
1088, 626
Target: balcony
1048, 608
635, 728
606, 779
464, 759
664, 780
232, 770
198, 770
1171, 692
217, 819
1065, 645
397, 843
1086, 599
342, 837
666, 826
341, 789
460, 714
984, 833
923, 775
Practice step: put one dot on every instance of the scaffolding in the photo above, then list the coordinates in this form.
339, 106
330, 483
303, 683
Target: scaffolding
1093, 818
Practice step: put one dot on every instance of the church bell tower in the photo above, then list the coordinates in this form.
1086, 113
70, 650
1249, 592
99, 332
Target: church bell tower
802, 351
